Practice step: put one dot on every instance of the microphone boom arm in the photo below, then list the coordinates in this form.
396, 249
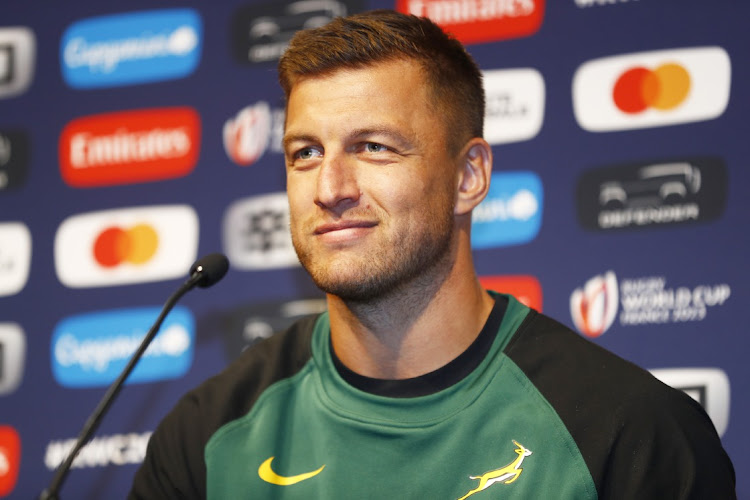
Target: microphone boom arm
203, 273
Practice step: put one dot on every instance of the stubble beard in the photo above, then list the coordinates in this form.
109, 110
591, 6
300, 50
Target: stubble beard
408, 263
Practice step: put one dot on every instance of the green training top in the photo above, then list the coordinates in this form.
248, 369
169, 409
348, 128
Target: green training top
535, 412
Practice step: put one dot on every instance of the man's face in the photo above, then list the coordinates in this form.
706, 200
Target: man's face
370, 179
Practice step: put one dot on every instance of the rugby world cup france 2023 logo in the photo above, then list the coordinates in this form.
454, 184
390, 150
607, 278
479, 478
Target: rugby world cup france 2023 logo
594, 306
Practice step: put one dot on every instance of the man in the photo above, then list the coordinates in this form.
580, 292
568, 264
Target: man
416, 383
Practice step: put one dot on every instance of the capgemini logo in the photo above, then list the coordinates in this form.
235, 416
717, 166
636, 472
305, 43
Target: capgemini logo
131, 48
511, 214
594, 306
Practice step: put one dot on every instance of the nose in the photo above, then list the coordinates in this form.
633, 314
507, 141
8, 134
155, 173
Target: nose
337, 187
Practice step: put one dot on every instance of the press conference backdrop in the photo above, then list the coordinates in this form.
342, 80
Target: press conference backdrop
137, 135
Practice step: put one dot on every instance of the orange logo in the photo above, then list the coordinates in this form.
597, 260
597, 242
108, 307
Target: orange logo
652, 89
126, 245
135, 245
10, 457
475, 21
526, 289
663, 88
129, 147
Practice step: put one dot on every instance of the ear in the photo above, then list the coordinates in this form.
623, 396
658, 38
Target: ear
474, 175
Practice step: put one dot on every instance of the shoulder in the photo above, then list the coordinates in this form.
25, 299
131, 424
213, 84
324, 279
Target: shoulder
553, 356
174, 465
232, 393
630, 427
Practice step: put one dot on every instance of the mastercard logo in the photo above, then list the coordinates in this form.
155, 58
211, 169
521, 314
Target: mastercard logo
126, 245
663, 88
652, 89
135, 245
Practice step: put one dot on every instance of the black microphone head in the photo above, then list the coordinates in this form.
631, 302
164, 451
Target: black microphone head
211, 268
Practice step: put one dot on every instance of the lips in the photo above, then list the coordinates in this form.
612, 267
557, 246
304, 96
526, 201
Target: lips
343, 225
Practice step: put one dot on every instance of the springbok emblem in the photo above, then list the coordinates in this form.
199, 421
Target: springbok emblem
506, 474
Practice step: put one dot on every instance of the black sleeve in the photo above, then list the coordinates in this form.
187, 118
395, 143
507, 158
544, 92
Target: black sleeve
639, 437
667, 447
174, 466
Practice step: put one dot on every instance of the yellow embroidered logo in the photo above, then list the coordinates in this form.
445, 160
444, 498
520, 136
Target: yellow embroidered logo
267, 474
506, 474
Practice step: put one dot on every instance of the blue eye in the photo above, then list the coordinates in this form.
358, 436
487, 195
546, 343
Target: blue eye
306, 153
374, 147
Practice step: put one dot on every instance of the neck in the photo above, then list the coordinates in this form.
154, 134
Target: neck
415, 329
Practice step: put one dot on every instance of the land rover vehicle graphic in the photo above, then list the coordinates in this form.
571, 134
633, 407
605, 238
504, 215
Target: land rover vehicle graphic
270, 35
654, 185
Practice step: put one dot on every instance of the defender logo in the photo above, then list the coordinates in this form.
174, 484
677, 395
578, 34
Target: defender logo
678, 191
261, 33
505, 475
267, 474
244, 325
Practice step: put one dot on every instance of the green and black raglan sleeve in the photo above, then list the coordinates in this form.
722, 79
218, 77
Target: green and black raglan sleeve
174, 466
638, 437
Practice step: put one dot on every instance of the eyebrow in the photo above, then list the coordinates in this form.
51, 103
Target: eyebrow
357, 134
288, 139
384, 131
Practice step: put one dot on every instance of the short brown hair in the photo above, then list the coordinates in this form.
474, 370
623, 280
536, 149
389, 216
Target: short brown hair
362, 39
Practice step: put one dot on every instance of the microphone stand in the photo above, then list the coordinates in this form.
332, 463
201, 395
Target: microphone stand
51, 493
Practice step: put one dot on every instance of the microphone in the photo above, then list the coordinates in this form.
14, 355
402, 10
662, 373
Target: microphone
209, 269
205, 272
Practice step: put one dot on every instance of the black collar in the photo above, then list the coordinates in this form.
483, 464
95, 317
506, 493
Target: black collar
437, 380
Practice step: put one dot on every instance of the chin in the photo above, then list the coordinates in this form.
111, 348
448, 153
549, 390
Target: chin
351, 286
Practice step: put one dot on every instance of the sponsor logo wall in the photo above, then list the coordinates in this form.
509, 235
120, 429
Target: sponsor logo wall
479, 22
17, 60
91, 350
511, 214
129, 146
14, 159
135, 138
131, 48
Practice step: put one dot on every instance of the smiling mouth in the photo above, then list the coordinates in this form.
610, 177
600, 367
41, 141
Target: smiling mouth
342, 226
